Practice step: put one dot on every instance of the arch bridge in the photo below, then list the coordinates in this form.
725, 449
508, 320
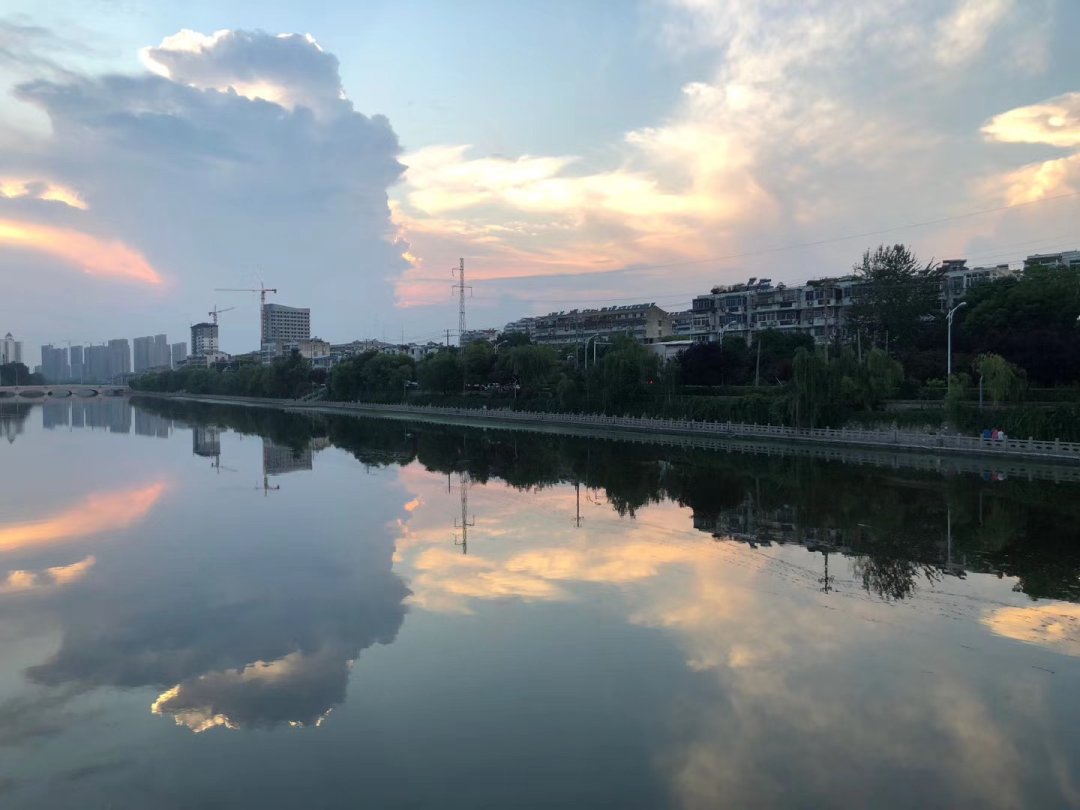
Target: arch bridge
39, 393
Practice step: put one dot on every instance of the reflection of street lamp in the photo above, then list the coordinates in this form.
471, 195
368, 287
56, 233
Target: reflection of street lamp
948, 365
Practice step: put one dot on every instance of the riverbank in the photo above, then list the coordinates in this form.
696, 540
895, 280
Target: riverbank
893, 443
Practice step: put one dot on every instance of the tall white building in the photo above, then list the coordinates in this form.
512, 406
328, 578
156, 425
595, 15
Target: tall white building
281, 324
10, 350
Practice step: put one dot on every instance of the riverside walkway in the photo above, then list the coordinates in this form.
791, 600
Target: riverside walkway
655, 429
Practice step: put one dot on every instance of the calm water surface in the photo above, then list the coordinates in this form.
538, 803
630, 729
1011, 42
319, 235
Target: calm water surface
224, 608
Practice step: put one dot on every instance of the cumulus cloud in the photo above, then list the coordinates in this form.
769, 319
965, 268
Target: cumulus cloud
1055, 122
237, 161
287, 69
788, 138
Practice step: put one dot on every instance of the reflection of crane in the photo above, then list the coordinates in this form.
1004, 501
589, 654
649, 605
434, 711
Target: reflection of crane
266, 488
465, 524
215, 312
262, 290
217, 466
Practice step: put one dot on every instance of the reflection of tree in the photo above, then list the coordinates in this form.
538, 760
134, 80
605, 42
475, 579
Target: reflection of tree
892, 578
1030, 530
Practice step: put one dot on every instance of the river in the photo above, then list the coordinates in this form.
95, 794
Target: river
218, 607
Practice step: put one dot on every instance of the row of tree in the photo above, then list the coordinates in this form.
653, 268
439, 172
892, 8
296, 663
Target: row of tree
18, 374
1013, 331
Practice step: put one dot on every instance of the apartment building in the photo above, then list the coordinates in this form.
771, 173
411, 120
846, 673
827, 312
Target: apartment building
645, 323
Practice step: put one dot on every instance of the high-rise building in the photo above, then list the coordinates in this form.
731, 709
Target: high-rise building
204, 339
10, 350
141, 348
75, 362
159, 353
54, 363
96, 364
177, 353
281, 324
119, 358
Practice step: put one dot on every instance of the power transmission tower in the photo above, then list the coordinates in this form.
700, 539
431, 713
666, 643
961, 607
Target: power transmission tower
461, 286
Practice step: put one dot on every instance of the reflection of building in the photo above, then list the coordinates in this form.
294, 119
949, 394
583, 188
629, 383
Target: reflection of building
12, 417
279, 459
55, 414
151, 424
206, 441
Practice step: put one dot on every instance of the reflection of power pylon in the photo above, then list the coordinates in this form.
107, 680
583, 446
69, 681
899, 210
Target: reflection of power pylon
826, 580
465, 524
577, 517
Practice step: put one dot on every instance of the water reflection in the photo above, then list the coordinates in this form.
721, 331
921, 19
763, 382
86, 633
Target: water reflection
709, 630
95, 514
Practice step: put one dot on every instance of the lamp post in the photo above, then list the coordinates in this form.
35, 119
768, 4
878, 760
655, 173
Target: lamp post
948, 363
593, 338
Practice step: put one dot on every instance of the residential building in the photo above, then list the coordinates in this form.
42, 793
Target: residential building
159, 353
10, 350
283, 324
682, 323
645, 323
75, 363
96, 365
957, 278
141, 347
204, 340
54, 363
177, 353
119, 359
1066, 258
474, 335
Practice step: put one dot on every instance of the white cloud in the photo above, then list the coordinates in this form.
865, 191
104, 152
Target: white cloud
1055, 122
812, 113
245, 163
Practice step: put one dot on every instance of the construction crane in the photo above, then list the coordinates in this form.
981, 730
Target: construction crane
262, 290
215, 312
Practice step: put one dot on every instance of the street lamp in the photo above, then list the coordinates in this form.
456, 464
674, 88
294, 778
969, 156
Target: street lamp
725, 326
593, 338
948, 364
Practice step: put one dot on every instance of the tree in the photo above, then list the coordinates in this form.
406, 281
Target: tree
1002, 380
897, 297
1029, 320
440, 372
18, 374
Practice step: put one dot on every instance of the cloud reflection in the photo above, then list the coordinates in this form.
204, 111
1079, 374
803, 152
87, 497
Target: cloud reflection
1054, 624
21, 580
98, 513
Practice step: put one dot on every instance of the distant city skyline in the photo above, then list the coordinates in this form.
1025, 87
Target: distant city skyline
619, 153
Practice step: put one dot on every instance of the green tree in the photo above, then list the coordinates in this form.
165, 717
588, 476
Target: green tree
896, 299
440, 372
1001, 379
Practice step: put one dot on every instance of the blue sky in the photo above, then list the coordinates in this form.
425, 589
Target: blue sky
573, 153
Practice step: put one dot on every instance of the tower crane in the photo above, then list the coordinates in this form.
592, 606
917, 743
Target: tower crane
215, 312
262, 290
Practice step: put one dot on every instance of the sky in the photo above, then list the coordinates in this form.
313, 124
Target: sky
574, 154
